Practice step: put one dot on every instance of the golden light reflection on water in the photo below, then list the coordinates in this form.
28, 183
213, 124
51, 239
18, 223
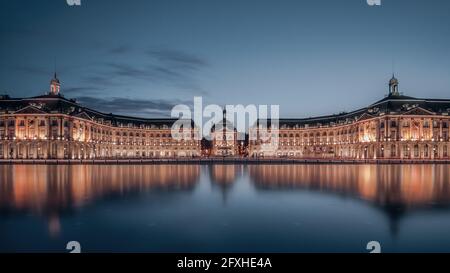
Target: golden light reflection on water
53, 190
50, 190
406, 185
224, 175
41, 188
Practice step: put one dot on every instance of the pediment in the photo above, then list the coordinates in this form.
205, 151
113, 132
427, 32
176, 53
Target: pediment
30, 110
418, 111
83, 115
365, 116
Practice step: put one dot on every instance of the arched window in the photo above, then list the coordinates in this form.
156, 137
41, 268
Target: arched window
406, 151
416, 150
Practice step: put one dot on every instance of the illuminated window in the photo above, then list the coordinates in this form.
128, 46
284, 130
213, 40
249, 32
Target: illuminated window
416, 150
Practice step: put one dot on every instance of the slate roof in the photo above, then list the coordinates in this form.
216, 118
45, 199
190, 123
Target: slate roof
59, 104
393, 104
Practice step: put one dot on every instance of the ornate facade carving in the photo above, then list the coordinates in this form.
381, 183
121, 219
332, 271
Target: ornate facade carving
53, 127
396, 127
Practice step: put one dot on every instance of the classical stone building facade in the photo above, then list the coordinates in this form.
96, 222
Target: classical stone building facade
224, 138
396, 127
53, 127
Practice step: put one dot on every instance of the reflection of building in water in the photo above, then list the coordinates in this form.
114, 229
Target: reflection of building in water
224, 176
52, 190
408, 185
396, 189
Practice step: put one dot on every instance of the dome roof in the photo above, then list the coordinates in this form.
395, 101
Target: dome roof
393, 80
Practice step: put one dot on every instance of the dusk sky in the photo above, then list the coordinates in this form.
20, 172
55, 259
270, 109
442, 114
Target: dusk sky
312, 57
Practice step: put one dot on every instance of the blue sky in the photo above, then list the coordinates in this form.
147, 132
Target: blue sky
312, 57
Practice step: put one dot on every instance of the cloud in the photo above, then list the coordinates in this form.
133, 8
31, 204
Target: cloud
176, 58
159, 66
123, 49
151, 72
125, 70
132, 106
163, 66
31, 70
81, 89
99, 80
39, 71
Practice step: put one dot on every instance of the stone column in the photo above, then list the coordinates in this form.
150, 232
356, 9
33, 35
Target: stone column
26, 127
16, 128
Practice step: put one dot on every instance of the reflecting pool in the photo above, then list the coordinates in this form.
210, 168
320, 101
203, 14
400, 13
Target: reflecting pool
225, 208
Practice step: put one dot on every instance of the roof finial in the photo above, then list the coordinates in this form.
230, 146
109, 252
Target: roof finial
393, 67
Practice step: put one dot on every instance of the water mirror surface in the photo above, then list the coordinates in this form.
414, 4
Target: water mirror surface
225, 208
